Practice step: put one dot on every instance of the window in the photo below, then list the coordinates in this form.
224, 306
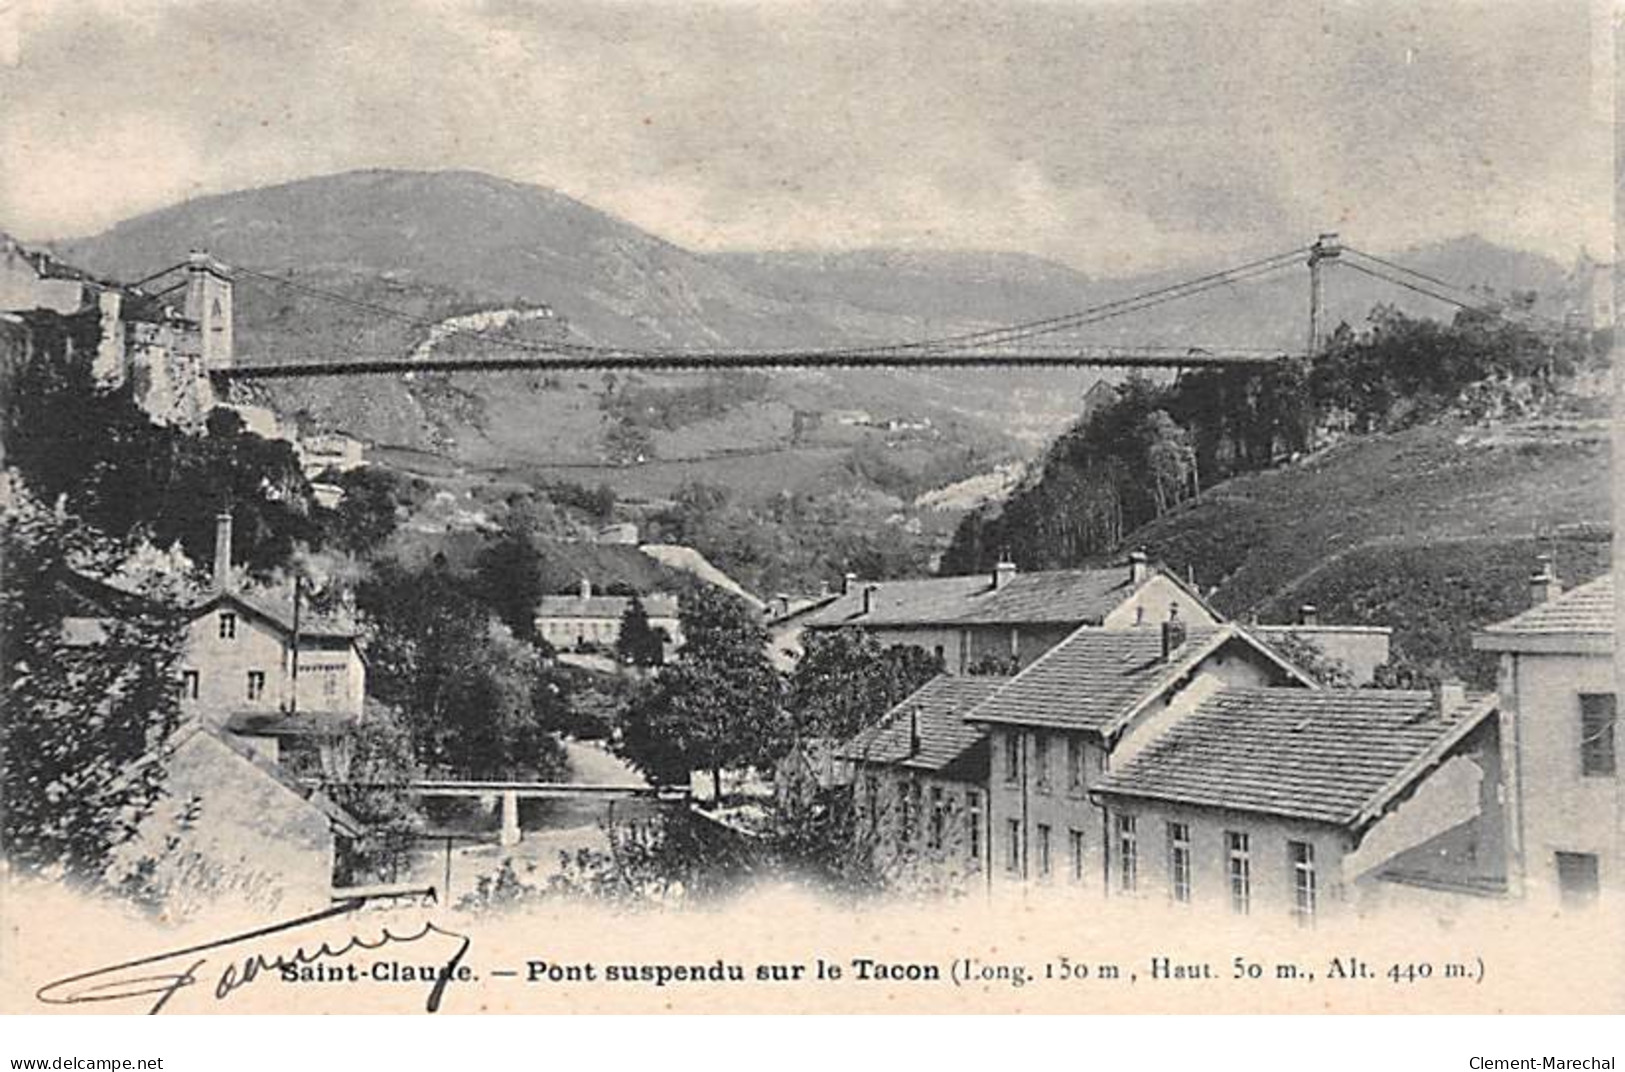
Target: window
1043, 851
871, 799
1597, 722
1577, 878
1128, 854
908, 794
1241, 872
1074, 765
330, 683
1041, 762
973, 825
1074, 839
190, 682
938, 814
1302, 855
228, 625
1012, 757
1013, 854
256, 684
1179, 862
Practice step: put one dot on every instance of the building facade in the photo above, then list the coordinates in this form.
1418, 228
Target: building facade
1058, 727
1560, 738
586, 620
1002, 621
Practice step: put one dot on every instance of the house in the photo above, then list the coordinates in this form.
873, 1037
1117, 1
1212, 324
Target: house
1005, 619
264, 665
233, 827
1259, 800
1361, 649
1079, 710
328, 451
919, 781
586, 620
1560, 738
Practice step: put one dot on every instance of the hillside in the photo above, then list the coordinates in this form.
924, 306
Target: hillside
1432, 530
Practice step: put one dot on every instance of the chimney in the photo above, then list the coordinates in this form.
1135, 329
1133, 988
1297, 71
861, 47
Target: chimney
1004, 572
1544, 585
869, 591
1448, 695
586, 589
1139, 567
1173, 634
222, 550
848, 580
914, 730
1308, 615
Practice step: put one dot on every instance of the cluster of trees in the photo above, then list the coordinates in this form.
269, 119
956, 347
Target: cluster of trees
722, 705
1156, 446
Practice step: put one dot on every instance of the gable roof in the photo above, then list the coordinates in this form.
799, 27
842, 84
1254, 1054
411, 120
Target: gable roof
938, 707
278, 610
654, 605
1337, 756
1097, 679
1062, 597
1586, 613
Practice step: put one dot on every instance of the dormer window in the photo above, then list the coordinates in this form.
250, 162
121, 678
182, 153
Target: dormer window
228, 625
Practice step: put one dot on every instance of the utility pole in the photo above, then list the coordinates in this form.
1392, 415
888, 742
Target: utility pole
1326, 247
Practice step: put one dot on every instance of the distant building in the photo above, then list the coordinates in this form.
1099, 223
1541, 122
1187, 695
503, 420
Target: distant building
1560, 739
160, 354
587, 620
329, 452
1004, 617
1359, 648
812, 770
919, 784
1083, 708
1257, 801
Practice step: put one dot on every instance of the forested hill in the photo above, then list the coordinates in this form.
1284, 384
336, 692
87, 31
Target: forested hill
1468, 451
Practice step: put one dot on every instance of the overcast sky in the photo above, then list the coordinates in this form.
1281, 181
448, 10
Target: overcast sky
1113, 136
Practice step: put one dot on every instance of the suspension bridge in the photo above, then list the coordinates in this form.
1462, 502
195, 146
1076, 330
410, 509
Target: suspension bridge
1048, 342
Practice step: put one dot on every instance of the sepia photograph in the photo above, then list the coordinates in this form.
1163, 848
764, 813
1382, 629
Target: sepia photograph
780, 506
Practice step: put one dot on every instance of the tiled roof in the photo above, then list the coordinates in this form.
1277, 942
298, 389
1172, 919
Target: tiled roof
1332, 756
1096, 677
1052, 596
277, 608
655, 606
1586, 609
940, 705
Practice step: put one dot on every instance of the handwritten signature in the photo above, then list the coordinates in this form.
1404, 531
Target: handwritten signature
163, 975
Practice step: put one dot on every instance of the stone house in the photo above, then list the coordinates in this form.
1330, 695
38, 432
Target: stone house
1006, 618
1270, 802
1559, 725
919, 784
232, 827
1058, 727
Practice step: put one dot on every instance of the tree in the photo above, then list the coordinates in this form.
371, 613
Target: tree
508, 577
639, 643
83, 724
717, 705
371, 787
470, 694
367, 515
845, 681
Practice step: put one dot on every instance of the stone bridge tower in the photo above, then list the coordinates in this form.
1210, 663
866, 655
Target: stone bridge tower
208, 303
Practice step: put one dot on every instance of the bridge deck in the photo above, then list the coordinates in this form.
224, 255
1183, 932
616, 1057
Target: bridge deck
531, 790
565, 361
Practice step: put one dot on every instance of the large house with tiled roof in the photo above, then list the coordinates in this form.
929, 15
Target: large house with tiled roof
1005, 618
1058, 726
1259, 800
1560, 740
585, 620
920, 784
